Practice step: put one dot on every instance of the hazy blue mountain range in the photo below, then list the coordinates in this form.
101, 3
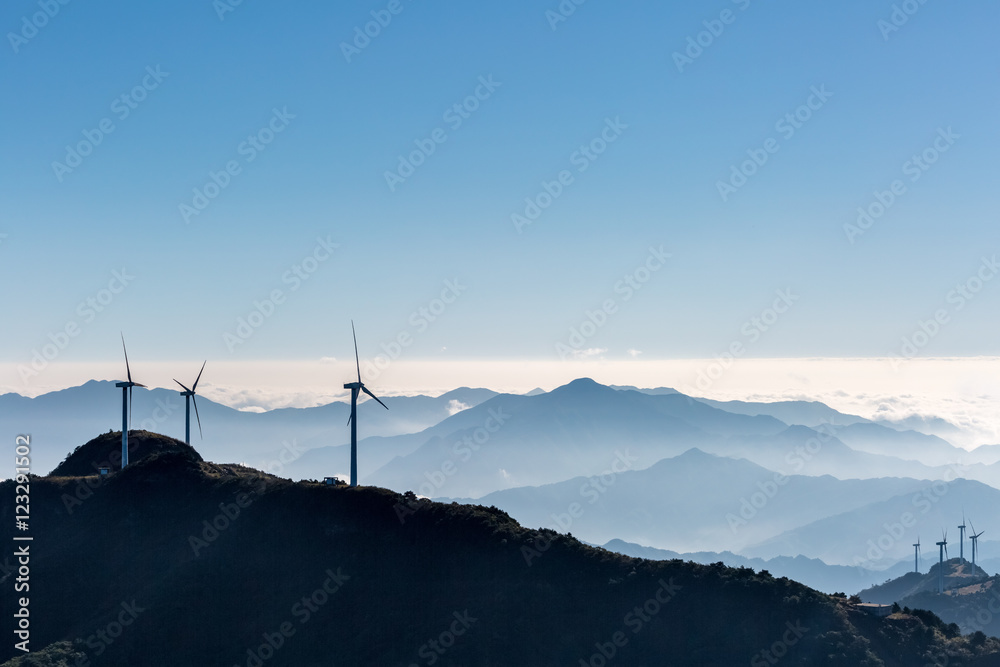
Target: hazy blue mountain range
693, 502
61, 420
878, 532
810, 571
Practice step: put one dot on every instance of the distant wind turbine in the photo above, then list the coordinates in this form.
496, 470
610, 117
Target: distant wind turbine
975, 538
356, 388
126, 388
916, 555
188, 395
961, 540
943, 550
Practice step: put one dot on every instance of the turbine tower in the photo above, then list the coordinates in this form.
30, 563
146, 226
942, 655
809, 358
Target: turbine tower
974, 536
961, 540
916, 556
356, 388
188, 395
943, 550
126, 388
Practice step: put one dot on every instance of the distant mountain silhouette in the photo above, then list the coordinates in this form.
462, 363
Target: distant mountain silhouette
577, 429
60, 420
176, 561
802, 413
694, 502
877, 439
881, 533
810, 571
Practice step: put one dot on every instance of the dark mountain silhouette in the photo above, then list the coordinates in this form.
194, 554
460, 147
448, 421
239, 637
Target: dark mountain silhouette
106, 451
175, 561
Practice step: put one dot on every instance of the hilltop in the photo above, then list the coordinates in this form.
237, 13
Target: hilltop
180, 561
957, 574
971, 598
106, 451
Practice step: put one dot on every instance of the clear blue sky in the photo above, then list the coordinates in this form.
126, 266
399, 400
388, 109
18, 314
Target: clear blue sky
324, 176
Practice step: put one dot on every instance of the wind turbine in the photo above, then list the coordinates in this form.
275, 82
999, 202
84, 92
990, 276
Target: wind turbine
916, 556
974, 537
961, 540
188, 395
943, 550
126, 388
356, 388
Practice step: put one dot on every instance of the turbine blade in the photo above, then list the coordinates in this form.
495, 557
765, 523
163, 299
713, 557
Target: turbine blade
179, 382
195, 401
195, 386
357, 359
365, 389
349, 418
128, 371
